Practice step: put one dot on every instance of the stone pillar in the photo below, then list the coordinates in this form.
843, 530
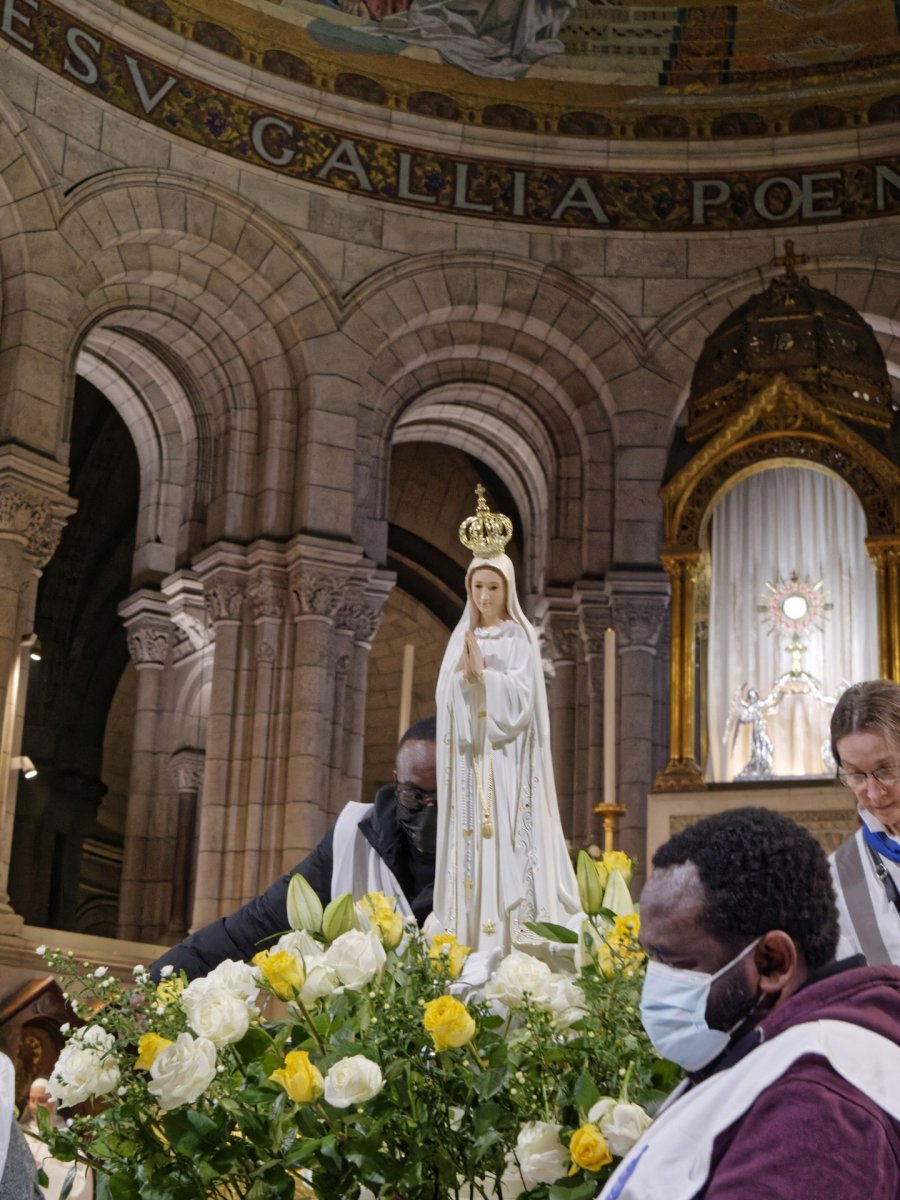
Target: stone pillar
267, 692
638, 602
149, 826
33, 510
359, 616
187, 776
558, 620
224, 591
318, 580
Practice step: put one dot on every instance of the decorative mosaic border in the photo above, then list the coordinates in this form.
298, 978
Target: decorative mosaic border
433, 181
703, 90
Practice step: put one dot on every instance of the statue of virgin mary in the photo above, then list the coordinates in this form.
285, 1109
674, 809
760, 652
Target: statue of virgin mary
501, 855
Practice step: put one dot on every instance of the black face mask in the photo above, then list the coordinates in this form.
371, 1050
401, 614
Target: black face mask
420, 826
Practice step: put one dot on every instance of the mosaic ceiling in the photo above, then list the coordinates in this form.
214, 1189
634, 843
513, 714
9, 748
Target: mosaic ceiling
575, 67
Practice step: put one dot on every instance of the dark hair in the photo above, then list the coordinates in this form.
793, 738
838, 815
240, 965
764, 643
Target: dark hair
421, 731
873, 705
760, 871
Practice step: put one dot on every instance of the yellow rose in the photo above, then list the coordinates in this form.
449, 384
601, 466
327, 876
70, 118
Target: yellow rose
618, 860
589, 1149
389, 925
301, 1079
148, 1047
448, 1022
169, 990
448, 953
373, 901
282, 971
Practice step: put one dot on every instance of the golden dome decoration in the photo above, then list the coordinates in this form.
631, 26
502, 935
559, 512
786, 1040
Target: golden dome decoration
802, 332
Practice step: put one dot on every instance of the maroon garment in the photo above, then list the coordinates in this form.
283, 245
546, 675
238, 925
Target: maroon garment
810, 1135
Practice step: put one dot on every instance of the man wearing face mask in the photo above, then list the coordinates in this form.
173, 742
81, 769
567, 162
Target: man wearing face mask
386, 846
792, 1059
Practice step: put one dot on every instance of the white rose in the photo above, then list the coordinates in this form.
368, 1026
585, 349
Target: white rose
600, 1108
541, 1156
519, 974
356, 957
183, 1071
215, 1013
239, 978
320, 981
622, 1125
352, 1081
560, 996
82, 1071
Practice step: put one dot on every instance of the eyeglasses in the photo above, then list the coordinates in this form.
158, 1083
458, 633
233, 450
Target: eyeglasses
414, 798
857, 779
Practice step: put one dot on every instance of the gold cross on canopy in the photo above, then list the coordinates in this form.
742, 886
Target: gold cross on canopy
789, 260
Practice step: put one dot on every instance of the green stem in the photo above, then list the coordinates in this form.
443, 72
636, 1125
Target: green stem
307, 1017
623, 1094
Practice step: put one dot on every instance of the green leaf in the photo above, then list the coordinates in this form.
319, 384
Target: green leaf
190, 1131
253, 1044
553, 933
490, 1082
574, 1189
585, 1093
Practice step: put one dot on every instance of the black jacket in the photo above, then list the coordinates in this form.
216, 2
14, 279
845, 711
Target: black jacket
242, 934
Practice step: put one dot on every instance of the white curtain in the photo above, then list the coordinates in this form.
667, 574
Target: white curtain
775, 522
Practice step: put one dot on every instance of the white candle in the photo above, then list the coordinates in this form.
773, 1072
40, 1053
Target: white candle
406, 686
609, 717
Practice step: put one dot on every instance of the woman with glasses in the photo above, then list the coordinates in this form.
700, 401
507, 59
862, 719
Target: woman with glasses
502, 857
865, 740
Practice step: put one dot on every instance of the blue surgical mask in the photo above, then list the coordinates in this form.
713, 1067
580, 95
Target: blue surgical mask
673, 1012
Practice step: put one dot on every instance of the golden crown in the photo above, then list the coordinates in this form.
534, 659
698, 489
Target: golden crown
486, 533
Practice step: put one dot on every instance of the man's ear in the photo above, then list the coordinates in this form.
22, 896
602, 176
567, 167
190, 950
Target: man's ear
777, 963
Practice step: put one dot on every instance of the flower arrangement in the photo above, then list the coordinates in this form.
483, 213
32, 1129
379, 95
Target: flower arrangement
385, 1076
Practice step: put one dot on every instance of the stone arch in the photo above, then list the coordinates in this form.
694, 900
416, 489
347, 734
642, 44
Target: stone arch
35, 306
533, 336
231, 296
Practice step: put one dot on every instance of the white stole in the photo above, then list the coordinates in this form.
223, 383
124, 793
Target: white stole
672, 1160
7, 1100
357, 867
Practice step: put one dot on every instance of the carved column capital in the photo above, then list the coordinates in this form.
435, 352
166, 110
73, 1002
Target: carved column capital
267, 597
224, 598
593, 622
316, 591
186, 767
638, 602
34, 504
148, 628
187, 608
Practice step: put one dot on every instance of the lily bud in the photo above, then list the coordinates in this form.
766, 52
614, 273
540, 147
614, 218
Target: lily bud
304, 908
590, 890
617, 897
339, 917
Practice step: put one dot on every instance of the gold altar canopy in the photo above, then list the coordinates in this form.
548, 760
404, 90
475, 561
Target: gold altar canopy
794, 377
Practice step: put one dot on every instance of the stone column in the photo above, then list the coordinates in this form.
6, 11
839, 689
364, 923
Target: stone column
639, 602
144, 896
558, 620
317, 592
359, 616
187, 776
215, 887
267, 691
33, 510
